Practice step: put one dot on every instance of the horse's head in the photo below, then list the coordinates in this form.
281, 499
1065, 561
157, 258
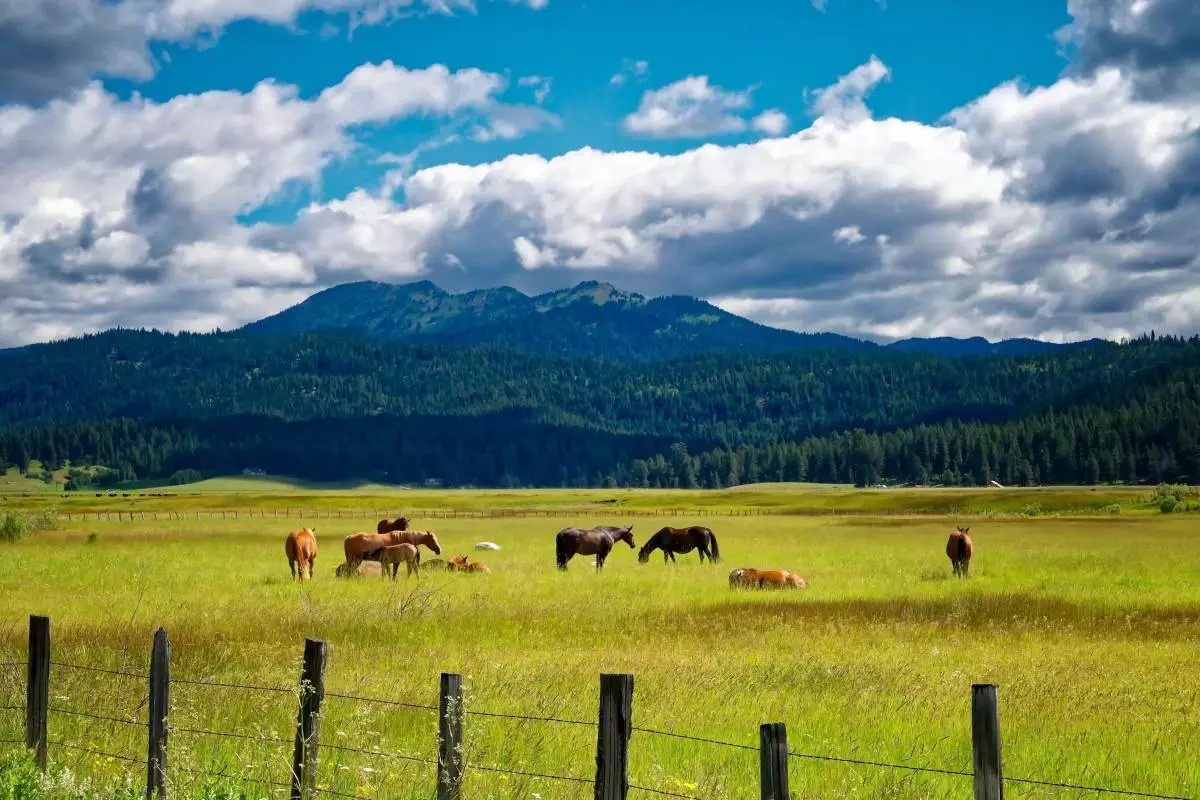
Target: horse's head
644, 553
402, 524
961, 529
430, 541
458, 562
626, 535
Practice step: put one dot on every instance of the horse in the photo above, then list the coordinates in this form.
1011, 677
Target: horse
363, 570
487, 546
301, 550
747, 578
597, 541
366, 546
401, 553
461, 563
389, 525
682, 540
960, 548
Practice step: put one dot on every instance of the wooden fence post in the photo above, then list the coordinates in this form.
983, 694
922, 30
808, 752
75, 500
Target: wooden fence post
985, 742
450, 738
773, 761
160, 704
612, 737
308, 726
37, 689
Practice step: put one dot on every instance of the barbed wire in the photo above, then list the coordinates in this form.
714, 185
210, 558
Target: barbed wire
263, 781
1126, 792
884, 764
696, 739
381, 701
499, 715
88, 715
379, 753
12, 708
664, 793
526, 774
140, 675
246, 686
228, 735
70, 746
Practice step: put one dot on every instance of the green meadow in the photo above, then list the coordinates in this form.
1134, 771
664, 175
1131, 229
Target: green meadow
1089, 623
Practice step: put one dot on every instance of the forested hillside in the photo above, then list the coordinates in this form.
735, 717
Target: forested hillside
337, 405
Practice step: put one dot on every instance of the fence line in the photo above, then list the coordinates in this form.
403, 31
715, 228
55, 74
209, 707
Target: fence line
234, 515
614, 733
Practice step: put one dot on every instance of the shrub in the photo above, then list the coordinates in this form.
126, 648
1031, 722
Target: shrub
15, 525
1111, 508
1031, 510
1168, 505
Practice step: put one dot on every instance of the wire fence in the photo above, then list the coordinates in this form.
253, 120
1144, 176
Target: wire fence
449, 740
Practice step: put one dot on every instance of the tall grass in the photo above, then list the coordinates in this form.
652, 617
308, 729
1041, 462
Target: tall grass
1088, 626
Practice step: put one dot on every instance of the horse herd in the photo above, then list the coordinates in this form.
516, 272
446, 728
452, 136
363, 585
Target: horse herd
394, 544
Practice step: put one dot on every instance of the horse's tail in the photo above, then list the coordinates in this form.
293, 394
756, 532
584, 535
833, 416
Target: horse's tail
561, 550
962, 547
716, 551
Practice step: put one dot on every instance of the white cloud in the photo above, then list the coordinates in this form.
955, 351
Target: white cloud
48, 47
541, 86
691, 108
846, 99
630, 71
771, 122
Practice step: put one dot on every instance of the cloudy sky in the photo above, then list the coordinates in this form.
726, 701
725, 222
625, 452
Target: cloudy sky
886, 169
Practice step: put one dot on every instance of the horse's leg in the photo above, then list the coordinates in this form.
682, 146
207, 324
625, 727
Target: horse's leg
672, 554
292, 566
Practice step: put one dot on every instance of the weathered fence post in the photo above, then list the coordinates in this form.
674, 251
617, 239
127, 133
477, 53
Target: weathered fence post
450, 738
37, 689
308, 726
160, 704
985, 742
612, 737
773, 760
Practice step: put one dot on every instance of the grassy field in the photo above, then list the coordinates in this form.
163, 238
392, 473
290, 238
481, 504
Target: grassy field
1089, 626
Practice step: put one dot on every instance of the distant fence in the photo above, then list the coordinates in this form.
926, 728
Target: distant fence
412, 513
614, 731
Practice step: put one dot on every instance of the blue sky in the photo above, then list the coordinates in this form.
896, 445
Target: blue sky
914, 167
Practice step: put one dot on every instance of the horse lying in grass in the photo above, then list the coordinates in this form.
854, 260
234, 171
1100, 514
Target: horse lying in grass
396, 555
682, 540
461, 563
364, 569
366, 546
596, 542
960, 548
301, 550
747, 578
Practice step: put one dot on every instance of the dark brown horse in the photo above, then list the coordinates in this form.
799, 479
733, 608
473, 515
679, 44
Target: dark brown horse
597, 541
959, 549
389, 525
682, 540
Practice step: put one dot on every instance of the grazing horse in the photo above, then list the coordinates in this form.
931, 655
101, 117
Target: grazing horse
301, 549
363, 570
596, 542
960, 548
747, 578
461, 563
401, 553
682, 540
366, 546
389, 525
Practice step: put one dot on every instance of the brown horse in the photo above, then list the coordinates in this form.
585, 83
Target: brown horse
461, 563
960, 549
389, 525
301, 550
682, 540
596, 542
747, 578
366, 546
401, 554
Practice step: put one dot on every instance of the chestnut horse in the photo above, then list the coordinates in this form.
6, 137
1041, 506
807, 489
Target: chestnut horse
389, 525
301, 550
366, 546
461, 563
960, 548
597, 541
401, 553
748, 578
682, 540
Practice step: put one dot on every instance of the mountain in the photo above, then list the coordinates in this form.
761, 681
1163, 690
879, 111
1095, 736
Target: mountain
591, 319
951, 347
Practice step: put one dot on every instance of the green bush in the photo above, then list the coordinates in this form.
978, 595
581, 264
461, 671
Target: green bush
1111, 508
15, 525
1031, 510
1168, 504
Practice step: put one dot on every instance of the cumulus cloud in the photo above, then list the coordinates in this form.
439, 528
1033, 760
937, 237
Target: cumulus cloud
846, 99
1061, 211
539, 85
694, 108
48, 47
